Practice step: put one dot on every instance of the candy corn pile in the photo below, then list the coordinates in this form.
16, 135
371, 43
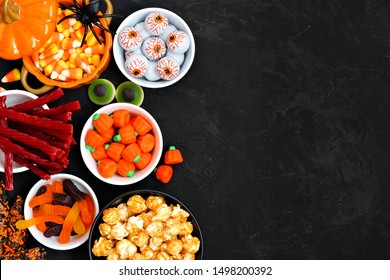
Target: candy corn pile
62, 57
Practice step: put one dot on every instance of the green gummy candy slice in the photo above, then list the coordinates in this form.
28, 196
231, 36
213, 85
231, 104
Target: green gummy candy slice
101, 91
130, 92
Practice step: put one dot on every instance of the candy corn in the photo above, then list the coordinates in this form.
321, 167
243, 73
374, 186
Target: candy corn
77, 25
66, 24
63, 78
35, 59
81, 61
67, 54
57, 37
52, 49
47, 60
49, 68
79, 33
69, 43
95, 59
61, 65
91, 40
12, 76
2, 89
73, 73
95, 49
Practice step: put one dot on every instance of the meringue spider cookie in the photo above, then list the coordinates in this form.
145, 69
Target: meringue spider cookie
168, 68
155, 23
136, 65
154, 48
129, 38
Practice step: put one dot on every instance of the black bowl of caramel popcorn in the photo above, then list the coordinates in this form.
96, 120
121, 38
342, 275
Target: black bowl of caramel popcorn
145, 225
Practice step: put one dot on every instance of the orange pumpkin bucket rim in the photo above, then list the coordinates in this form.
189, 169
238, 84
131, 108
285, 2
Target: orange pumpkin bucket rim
48, 83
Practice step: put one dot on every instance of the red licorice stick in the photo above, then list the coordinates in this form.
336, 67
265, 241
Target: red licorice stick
31, 141
60, 159
6, 144
8, 156
40, 101
63, 117
64, 161
33, 168
35, 121
72, 106
59, 135
41, 135
67, 138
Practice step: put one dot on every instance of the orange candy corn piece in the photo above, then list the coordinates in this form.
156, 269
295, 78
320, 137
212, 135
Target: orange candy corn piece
12, 76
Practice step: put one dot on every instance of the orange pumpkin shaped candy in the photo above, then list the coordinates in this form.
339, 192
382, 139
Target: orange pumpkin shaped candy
125, 168
126, 134
99, 153
107, 167
173, 156
108, 134
144, 160
114, 151
164, 173
121, 117
93, 139
146, 142
25, 26
132, 152
141, 126
102, 122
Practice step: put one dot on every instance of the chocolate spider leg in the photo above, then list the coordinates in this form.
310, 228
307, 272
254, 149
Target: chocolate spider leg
68, 16
94, 32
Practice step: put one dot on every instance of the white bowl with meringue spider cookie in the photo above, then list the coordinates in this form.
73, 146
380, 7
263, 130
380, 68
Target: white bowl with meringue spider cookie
154, 47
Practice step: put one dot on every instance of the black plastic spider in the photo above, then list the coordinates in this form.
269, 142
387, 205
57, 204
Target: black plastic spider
87, 14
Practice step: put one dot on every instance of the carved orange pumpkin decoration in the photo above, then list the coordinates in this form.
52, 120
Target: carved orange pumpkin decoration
25, 25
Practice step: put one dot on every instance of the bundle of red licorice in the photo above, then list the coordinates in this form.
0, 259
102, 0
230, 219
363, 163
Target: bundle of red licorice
39, 139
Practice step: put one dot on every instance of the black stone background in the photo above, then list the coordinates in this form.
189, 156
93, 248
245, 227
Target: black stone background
283, 121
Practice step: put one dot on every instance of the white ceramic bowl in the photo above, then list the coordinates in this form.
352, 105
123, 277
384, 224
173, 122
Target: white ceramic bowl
52, 242
16, 97
139, 16
134, 110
